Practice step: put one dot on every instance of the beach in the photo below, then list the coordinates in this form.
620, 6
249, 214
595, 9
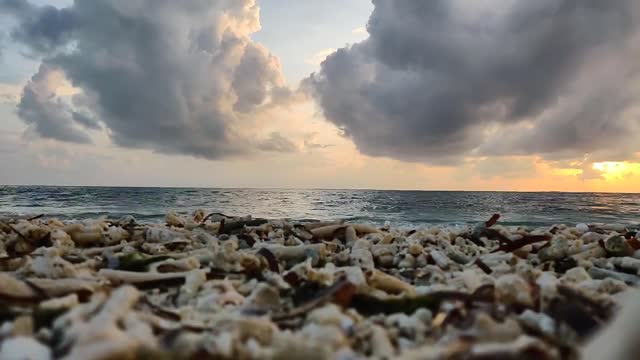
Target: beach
211, 285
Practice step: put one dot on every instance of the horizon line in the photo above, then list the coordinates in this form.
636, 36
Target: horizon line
311, 188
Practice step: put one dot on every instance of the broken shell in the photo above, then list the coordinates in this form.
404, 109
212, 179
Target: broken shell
52, 266
296, 253
161, 235
389, 283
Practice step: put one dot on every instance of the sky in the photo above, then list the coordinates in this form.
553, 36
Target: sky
507, 95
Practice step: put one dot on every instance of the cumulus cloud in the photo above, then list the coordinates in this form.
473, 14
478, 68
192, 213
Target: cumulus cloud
171, 76
440, 80
45, 113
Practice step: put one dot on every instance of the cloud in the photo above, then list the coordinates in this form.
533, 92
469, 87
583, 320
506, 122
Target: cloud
502, 167
310, 142
437, 81
45, 113
176, 77
590, 173
277, 143
9, 93
319, 57
43, 28
359, 31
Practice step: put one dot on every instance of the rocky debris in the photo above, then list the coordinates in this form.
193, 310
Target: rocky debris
241, 288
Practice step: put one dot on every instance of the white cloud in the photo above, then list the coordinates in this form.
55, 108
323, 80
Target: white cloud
359, 31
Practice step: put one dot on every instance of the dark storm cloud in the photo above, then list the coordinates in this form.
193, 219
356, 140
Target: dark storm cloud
42, 28
19, 8
85, 120
438, 80
171, 76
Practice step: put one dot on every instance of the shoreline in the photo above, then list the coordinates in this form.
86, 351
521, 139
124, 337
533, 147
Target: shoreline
239, 287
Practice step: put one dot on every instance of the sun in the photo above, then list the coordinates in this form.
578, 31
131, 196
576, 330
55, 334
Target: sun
614, 170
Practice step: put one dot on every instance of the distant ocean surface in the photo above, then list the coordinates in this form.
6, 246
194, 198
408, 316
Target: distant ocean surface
401, 208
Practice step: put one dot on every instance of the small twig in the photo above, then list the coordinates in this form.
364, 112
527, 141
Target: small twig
35, 217
484, 267
221, 227
494, 219
518, 244
271, 259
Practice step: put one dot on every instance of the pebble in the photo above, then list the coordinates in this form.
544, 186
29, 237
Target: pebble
582, 228
24, 348
513, 289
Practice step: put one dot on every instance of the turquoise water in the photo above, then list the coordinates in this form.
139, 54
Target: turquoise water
401, 208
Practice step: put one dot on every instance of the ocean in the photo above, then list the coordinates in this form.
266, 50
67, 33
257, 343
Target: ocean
401, 208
